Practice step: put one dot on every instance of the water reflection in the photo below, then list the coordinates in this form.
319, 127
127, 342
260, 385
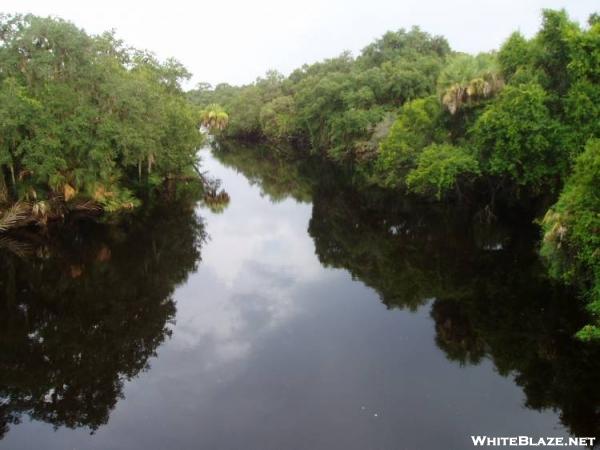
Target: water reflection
275, 346
277, 178
492, 299
83, 309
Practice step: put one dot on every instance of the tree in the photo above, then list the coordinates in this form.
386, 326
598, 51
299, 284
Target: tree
393, 45
553, 52
214, 117
571, 227
278, 119
18, 113
515, 54
517, 138
417, 126
440, 168
468, 80
84, 117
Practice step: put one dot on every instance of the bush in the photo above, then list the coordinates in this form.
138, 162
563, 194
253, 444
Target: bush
440, 168
571, 227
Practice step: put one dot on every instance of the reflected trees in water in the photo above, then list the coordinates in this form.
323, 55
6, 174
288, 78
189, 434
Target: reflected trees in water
84, 308
490, 294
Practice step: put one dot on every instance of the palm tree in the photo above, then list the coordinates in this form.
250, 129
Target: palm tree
214, 117
472, 92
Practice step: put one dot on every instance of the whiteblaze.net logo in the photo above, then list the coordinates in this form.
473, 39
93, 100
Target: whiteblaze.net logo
528, 441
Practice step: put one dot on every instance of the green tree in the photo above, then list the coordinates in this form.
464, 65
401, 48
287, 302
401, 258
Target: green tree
278, 119
214, 117
518, 139
515, 54
86, 117
571, 227
440, 168
417, 126
553, 49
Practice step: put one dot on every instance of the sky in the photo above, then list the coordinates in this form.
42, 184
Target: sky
235, 41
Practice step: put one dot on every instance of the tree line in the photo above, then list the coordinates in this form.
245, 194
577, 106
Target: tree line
519, 125
86, 119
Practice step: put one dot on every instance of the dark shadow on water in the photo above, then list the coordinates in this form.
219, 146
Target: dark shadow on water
84, 307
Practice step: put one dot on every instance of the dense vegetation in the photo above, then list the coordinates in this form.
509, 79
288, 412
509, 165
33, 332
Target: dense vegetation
410, 115
85, 119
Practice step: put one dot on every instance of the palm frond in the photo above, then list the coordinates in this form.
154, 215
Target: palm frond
15, 216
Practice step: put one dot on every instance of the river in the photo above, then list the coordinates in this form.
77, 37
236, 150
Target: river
299, 317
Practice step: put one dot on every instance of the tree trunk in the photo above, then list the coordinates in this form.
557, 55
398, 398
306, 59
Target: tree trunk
12, 177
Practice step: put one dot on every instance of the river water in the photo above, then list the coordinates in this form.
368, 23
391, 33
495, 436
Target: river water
300, 316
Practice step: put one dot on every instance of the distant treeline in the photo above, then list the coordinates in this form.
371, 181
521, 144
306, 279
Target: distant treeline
409, 114
86, 120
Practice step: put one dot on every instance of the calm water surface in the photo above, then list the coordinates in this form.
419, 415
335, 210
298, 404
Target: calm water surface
300, 317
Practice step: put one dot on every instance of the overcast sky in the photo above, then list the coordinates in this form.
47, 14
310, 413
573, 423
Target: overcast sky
235, 41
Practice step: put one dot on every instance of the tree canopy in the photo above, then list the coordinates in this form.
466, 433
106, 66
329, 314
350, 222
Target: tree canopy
87, 117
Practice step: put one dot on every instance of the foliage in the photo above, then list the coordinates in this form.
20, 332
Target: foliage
462, 68
476, 90
571, 242
86, 114
214, 117
402, 43
553, 53
334, 107
467, 79
439, 169
277, 119
14, 216
417, 126
517, 138
515, 53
